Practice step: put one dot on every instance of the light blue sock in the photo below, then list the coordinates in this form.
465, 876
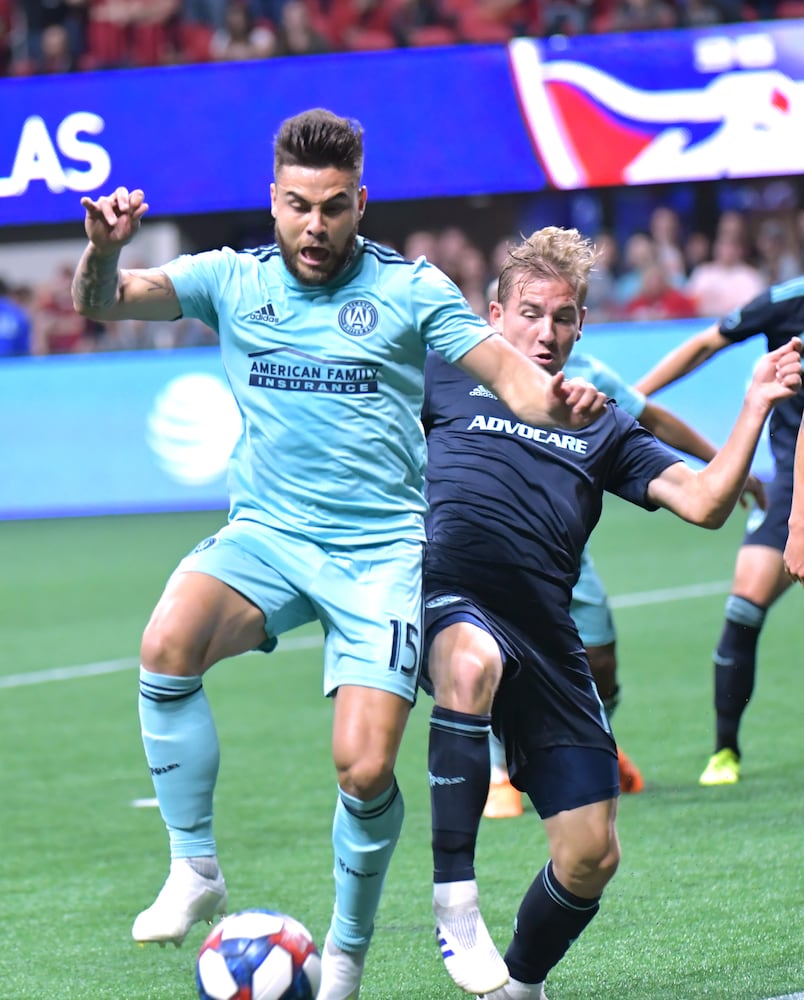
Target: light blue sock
181, 746
364, 835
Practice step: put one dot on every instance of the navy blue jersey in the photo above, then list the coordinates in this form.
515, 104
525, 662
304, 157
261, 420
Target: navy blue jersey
512, 506
778, 313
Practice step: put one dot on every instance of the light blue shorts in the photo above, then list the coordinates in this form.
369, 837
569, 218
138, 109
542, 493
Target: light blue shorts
590, 606
368, 599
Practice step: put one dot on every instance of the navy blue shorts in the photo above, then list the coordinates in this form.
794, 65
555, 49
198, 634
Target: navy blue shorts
547, 711
769, 527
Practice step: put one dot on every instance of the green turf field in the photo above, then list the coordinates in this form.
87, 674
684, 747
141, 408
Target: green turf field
709, 899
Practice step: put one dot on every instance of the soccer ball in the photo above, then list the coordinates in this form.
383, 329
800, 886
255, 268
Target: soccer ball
258, 955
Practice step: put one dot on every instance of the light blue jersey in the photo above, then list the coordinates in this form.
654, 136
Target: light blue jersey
590, 606
580, 365
329, 382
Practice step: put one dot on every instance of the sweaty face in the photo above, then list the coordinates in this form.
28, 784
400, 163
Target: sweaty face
317, 212
541, 319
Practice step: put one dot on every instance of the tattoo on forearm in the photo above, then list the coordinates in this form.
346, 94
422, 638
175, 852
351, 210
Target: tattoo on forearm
95, 281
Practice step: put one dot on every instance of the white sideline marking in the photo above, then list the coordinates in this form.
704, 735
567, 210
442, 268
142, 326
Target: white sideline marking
115, 666
670, 594
789, 996
635, 600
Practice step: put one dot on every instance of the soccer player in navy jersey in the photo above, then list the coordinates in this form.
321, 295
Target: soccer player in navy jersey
512, 504
759, 578
590, 608
323, 337
794, 549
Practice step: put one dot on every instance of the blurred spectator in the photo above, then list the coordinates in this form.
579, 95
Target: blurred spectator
639, 253
296, 32
123, 33
473, 278
56, 55
658, 298
665, 231
421, 243
600, 295
68, 17
15, 325
57, 328
267, 11
566, 17
642, 15
359, 24
423, 22
727, 280
242, 38
776, 259
208, 13
697, 249
700, 13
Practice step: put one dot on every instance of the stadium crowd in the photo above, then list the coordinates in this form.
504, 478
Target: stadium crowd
658, 260
664, 269
57, 36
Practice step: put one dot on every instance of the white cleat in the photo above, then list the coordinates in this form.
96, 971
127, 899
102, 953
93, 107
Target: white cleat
523, 992
185, 899
341, 972
470, 956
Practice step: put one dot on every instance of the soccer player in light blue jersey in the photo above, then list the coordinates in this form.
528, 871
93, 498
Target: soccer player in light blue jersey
324, 337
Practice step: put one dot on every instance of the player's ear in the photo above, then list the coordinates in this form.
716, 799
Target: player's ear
581, 318
362, 198
273, 199
495, 315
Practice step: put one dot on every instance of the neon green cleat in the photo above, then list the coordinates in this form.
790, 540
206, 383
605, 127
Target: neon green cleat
723, 769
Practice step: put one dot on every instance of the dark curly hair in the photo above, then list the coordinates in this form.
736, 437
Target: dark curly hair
319, 138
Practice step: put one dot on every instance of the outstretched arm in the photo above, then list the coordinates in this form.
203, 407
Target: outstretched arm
794, 549
707, 496
683, 360
530, 392
101, 289
667, 427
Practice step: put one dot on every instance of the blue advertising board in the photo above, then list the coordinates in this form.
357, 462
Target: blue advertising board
559, 112
152, 431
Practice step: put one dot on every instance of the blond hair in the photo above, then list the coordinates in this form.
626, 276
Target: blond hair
550, 253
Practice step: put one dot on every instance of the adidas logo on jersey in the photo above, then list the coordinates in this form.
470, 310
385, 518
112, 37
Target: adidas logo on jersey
481, 390
265, 314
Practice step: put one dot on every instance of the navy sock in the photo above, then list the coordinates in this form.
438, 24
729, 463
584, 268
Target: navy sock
549, 919
459, 771
735, 663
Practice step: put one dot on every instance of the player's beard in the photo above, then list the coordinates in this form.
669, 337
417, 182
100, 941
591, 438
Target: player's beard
335, 264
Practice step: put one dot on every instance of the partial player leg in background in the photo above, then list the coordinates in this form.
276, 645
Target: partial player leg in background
759, 580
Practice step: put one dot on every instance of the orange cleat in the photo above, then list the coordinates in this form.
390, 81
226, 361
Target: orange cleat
504, 801
631, 780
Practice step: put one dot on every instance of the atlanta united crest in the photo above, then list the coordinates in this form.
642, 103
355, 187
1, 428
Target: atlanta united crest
358, 318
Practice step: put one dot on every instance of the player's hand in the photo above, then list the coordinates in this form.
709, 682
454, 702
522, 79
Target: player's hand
777, 376
113, 220
574, 402
794, 555
755, 488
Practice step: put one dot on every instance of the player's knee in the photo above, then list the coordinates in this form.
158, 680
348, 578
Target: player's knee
365, 777
467, 682
589, 862
165, 649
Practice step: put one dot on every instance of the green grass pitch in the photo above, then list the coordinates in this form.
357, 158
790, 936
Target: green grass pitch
709, 899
